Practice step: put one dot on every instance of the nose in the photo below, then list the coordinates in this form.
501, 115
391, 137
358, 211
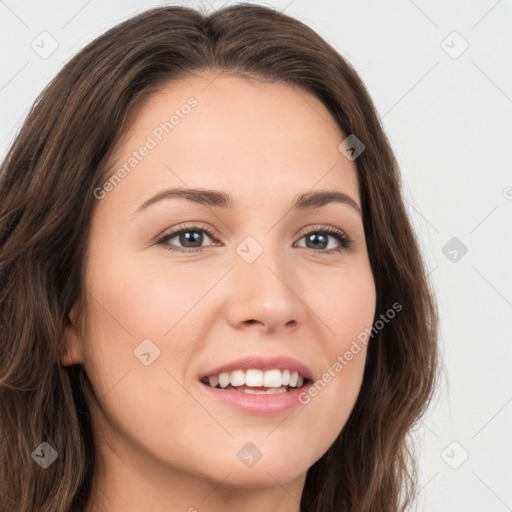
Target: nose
266, 294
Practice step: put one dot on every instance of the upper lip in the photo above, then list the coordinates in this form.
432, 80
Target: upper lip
262, 363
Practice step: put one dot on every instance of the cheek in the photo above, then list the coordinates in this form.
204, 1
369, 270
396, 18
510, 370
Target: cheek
346, 304
129, 304
147, 300
144, 403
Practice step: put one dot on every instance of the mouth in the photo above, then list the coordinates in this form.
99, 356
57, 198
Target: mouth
255, 381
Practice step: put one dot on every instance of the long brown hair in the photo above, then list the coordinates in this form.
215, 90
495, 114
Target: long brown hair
47, 181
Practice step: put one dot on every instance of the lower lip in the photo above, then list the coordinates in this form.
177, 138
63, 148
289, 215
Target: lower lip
257, 404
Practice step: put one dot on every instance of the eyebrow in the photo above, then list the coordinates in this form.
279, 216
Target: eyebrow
306, 201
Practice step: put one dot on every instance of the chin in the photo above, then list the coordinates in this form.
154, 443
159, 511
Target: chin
254, 469
262, 477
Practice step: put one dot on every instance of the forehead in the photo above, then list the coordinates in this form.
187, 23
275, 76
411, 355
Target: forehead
252, 139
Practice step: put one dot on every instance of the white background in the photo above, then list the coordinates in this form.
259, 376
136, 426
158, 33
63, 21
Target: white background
449, 122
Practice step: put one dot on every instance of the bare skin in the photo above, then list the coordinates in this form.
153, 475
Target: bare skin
163, 443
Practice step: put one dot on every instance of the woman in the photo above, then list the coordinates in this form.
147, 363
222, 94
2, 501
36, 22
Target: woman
211, 294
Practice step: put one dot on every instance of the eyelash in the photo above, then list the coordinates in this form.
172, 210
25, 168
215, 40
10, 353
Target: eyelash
345, 242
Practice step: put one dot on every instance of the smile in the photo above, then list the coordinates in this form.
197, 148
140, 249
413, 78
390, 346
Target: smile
256, 381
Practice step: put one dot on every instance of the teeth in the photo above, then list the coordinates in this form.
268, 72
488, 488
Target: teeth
272, 379
224, 379
254, 378
276, 380
237, 378
269, 391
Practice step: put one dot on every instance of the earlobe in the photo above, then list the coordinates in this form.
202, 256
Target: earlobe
72, 341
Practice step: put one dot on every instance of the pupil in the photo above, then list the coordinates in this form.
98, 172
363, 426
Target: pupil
314, 237
196, 238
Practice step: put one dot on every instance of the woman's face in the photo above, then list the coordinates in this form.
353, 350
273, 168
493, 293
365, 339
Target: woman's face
249, 286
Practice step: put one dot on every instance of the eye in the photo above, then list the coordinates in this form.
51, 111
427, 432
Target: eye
191, 238
319, 238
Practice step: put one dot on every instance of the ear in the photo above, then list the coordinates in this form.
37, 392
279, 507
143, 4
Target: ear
73, 353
